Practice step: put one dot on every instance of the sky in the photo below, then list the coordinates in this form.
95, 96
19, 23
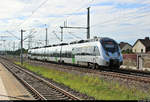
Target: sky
122, 20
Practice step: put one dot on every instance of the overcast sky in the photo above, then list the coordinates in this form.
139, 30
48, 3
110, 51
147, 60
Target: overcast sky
122, 20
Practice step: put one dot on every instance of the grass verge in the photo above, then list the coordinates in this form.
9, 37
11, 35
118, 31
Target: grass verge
90, 85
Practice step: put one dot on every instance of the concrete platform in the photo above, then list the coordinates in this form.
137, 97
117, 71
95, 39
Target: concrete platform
11, 88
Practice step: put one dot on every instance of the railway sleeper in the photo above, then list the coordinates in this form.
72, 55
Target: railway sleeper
47, 93
63, 98
51, 98
56, 92
61, 95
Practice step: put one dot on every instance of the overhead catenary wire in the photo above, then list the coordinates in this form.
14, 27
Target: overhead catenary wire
69, 14
127, 19
33, 12
108, 21
40, 7
56, 35
13, 35
74, 35
92, 25
37, 9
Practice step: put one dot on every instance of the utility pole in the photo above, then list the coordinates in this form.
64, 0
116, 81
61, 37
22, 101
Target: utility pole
46, 36
61, 34
4, 47
88, 23
29, 42
88, 26
21, 56
14, 48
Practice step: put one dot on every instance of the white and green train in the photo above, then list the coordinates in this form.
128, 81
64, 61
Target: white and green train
93, 53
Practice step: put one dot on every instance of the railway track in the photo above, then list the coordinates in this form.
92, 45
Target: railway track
141, 80
85, 69
123, 73
40, 88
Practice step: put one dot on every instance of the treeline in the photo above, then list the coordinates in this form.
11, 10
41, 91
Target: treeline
17, 52
127, 51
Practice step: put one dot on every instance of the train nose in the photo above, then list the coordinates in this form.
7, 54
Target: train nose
113, 55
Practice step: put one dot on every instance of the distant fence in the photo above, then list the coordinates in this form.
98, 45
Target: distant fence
136, 60
145, 60
130, 59
130, 56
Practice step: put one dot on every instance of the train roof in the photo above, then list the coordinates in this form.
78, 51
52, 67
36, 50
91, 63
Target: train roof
75, 42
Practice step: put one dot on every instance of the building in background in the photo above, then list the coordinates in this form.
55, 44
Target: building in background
125, 47
141, 46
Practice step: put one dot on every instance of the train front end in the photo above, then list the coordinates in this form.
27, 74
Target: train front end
111, 53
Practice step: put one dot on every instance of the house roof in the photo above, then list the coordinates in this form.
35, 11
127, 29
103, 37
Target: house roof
145, 42
122, 44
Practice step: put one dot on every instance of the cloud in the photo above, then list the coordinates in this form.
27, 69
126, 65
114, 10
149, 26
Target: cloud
123, 20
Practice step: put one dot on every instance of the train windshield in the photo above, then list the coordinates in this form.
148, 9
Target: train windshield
110, 45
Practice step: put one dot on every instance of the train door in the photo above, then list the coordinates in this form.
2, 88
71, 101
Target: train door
60, 54
96, 53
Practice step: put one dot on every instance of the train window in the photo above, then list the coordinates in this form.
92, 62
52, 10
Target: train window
69, 54
52, 54
82, 51
73, 53
77, 51
63, 54
85, 51
55, 55
88, 51
44, 54
58, 54
110, 45
66, 54
49, 54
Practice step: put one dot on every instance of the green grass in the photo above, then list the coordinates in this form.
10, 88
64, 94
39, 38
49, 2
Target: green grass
90, 85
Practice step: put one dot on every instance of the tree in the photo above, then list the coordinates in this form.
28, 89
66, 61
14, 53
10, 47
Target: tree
128, 51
